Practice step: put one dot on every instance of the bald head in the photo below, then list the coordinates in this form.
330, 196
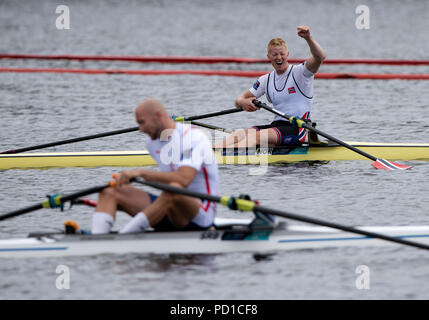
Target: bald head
151, 106
153, 118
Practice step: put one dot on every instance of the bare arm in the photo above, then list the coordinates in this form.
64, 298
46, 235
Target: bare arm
317, 53
244, 101
183, 176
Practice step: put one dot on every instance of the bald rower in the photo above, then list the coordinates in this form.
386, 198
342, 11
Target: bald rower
185, 158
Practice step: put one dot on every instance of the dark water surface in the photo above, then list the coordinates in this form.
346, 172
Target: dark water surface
39, 108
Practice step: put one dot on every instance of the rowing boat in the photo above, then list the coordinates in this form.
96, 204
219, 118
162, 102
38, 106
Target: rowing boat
230, 235
317, 152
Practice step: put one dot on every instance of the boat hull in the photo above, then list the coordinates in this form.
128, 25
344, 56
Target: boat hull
388, 151
204, 242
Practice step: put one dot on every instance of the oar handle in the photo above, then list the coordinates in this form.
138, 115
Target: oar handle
301, 123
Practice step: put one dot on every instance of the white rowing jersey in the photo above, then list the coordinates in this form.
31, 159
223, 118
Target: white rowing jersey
187, 146
290, 92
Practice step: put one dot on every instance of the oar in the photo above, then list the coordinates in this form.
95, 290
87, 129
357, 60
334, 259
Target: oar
378, 163
209, 126
55, 201
115, 132
61, 142
247, 205
208, 115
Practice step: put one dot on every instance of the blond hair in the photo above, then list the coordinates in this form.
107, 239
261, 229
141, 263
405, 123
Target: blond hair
276, 42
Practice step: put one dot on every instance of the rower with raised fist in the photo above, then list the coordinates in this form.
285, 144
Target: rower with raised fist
288, 87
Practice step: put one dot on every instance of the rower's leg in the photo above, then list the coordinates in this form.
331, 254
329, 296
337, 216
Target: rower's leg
179, 209
264, 138
126, 198
232, 139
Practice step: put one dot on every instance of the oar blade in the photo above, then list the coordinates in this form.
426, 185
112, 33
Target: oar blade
389, 165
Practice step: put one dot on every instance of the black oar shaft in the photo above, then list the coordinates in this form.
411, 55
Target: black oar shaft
82, 193
213, 114
345, 144
61, 142
209, 126
121, 131
21, 211
338, 226
323, 134
63, 199
258, 208
170, 188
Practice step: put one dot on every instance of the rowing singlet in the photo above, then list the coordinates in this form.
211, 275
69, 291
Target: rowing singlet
188, 146
290, 92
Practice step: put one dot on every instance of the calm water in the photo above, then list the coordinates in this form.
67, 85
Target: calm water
39, 108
